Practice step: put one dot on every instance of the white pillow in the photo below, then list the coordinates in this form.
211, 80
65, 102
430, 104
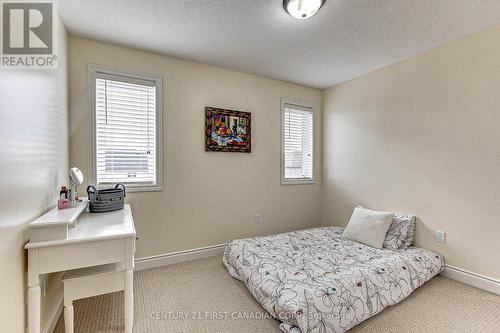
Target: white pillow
368, 226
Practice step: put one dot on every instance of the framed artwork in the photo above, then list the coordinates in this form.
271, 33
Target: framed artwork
227, 130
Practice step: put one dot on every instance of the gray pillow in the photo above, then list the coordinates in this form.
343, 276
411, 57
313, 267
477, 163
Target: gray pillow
368, 226
401, 232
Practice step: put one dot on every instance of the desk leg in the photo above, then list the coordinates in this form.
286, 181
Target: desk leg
34, 309
68, 318
129, 300
34, 292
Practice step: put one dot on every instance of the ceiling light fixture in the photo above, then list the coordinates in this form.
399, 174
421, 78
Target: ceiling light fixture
302, 9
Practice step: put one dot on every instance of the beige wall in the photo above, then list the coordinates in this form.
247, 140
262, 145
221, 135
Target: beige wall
423, 137
209, 197
33, 164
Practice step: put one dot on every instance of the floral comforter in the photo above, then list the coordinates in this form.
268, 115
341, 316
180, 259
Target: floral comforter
316, 281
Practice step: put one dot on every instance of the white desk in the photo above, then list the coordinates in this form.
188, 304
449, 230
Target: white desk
97, 239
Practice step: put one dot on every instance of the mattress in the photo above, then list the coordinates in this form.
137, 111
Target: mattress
316, 281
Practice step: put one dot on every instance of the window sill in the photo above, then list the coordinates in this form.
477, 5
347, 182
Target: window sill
144, 188
298, 181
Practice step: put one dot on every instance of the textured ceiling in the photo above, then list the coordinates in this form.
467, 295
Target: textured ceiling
347, 38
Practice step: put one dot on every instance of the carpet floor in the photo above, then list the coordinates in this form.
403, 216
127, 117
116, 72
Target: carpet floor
196, 296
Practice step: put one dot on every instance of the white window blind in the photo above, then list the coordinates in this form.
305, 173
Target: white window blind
297, 142
125, 131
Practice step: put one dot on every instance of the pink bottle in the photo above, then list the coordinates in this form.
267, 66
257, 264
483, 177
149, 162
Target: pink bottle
62, 203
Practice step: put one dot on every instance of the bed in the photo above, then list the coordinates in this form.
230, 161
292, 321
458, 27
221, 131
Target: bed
316, 281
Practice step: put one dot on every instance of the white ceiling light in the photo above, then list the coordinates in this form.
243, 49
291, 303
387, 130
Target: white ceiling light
302, 9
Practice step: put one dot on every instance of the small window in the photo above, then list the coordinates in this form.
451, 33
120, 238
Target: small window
126, 130
297, 150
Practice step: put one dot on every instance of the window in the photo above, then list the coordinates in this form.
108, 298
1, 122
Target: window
126, 130
297, 148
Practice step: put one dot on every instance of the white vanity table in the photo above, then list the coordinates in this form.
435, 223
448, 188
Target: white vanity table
95, 239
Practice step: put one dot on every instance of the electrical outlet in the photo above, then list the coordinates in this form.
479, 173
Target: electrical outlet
258, 218
441, 236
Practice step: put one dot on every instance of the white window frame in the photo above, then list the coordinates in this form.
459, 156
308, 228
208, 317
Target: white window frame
297, 181
93, 71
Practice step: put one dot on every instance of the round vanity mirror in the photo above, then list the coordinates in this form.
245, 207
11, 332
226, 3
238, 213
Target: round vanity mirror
75, 176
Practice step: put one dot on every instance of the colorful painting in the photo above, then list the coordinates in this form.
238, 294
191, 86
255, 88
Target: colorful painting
227, 130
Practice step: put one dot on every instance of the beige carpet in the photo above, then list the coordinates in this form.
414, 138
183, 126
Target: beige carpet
197, 287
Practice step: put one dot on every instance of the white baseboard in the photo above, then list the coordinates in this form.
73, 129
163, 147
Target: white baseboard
477, 280
180, 256
54, 314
